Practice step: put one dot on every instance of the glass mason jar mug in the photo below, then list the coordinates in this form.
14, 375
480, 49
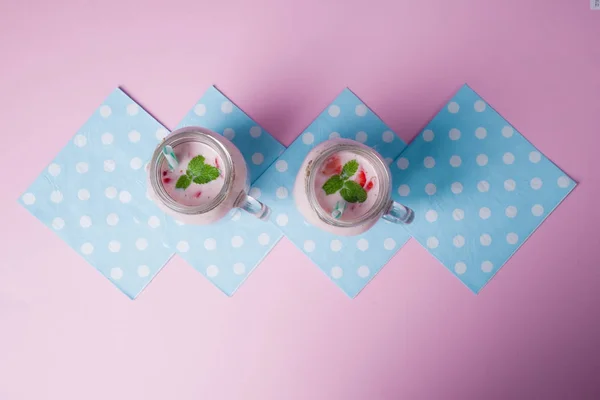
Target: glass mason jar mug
344, 187
198, 176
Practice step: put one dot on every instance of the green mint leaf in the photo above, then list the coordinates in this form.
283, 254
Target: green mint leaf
183, 182
345, 193
349, 169
195, 166
207, 174
333, 184
352, 192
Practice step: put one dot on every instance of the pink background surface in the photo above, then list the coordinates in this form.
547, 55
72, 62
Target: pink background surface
415, 332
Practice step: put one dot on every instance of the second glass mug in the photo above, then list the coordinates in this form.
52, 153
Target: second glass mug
206, 178
344, 187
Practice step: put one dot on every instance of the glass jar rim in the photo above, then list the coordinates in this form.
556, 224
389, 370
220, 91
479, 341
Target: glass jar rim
382, 172
187, 135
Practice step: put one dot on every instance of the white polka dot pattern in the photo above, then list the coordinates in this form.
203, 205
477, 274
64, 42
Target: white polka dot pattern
90, 195
482, 209
350, 262
516, 187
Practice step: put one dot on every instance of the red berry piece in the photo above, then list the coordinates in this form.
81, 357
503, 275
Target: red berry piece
166, 180
218, 166
333, 166
197, 195
361, 177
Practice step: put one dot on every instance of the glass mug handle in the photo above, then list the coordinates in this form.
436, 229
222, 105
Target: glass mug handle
399, 214
253, 206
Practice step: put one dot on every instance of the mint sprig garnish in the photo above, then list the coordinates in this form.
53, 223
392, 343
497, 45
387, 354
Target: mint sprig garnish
350, 191
197, 172
196, 165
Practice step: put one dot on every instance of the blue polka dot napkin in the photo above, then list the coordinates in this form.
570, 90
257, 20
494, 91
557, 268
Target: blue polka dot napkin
351, 262
479, 189
93, 195
228, 251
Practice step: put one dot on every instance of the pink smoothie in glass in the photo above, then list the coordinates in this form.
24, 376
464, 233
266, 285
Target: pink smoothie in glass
365, 176
343, 187
195, 194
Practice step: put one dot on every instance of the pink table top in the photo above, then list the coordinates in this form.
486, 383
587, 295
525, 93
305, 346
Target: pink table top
415, 332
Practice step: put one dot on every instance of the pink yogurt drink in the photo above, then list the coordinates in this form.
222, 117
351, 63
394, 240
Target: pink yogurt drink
344, 187
365, 177
209, 180
196, 194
